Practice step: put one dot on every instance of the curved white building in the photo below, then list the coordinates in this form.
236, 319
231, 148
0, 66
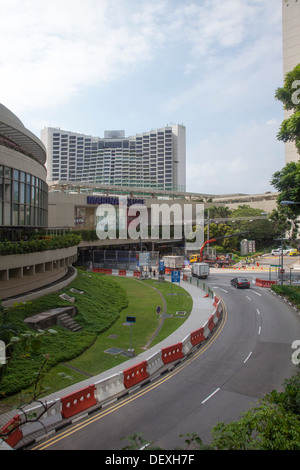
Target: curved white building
23, 187
23, 210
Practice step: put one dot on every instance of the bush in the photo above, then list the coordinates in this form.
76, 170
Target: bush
98, 308
292, 293
35, 245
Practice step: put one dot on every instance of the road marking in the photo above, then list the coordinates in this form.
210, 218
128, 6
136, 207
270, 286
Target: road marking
258, 312
259, 330
257, 293
247, 357
212, 394
217, 287
248, 297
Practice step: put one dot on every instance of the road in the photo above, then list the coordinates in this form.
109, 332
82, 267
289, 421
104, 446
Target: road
249, 356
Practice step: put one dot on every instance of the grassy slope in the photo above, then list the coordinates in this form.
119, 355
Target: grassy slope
103, 309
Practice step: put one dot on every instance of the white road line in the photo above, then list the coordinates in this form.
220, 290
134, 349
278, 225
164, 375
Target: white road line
257, 293
247, 357
259, 330
217, 287
210, 396
248, 297
258, 312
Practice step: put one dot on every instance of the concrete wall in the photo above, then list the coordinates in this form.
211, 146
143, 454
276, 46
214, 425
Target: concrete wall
22, 273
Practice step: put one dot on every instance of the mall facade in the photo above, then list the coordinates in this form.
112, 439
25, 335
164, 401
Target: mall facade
24, 210
28, 203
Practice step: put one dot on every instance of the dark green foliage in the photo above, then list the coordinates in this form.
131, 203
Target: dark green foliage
292, 293
98, 308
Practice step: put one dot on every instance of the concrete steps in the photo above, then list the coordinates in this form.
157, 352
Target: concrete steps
67, 322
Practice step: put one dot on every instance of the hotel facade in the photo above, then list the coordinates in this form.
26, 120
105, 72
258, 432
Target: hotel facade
291, 56
155, 159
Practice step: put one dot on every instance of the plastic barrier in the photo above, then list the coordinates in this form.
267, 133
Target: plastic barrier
264, 283
186, 345
172, 353
136, 273
78, 401
197, 336
122, 272
211, 322
109, 387
15, 436
154, 363
135, 374
216, 301
102, 270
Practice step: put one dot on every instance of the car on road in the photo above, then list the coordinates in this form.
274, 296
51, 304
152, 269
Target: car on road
240, 283
279, 252
293, 252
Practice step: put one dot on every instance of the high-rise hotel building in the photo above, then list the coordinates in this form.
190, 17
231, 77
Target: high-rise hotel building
155, 159
291, 56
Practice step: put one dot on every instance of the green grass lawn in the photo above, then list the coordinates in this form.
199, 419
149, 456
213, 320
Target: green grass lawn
103, 309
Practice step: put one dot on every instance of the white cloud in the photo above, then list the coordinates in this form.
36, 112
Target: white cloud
49, 52
241, 162
211, 64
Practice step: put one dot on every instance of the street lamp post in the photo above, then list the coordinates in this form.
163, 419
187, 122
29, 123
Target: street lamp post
288, 203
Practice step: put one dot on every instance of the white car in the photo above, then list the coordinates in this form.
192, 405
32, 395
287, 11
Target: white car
279, 252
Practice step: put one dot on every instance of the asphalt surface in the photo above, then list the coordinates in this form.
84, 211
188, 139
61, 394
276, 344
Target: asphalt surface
249, 356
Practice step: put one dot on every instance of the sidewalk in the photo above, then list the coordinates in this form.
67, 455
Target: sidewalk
202, 310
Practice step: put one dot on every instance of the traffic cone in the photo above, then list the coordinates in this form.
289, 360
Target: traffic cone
207, 295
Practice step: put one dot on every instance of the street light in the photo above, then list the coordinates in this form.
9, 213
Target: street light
288, 203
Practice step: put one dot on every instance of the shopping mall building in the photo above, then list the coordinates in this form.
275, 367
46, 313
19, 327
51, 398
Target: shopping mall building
24, 210
29, 204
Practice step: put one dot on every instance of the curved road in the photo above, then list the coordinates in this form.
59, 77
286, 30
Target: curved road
248, 356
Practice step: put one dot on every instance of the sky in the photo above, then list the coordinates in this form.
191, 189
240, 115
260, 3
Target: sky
212, 65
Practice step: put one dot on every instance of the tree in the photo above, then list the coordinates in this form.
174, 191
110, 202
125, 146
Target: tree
266, 427
289, 95
287, 183
273, 425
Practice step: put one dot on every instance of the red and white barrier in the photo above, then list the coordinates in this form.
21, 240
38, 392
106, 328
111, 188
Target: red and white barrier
109, 387
135, 374
78, 401
264, 283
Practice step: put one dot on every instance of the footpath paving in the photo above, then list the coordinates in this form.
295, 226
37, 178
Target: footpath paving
201, 311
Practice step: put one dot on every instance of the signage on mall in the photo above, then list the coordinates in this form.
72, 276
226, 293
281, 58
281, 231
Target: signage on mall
114, 201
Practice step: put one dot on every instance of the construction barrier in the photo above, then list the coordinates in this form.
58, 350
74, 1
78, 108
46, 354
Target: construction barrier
211, 322
197, 336
264, 283
216, 301
109, 387
122, 272
135, 374
78, 401
172, 353
186, 345
154, 363
11, 432
102, 270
